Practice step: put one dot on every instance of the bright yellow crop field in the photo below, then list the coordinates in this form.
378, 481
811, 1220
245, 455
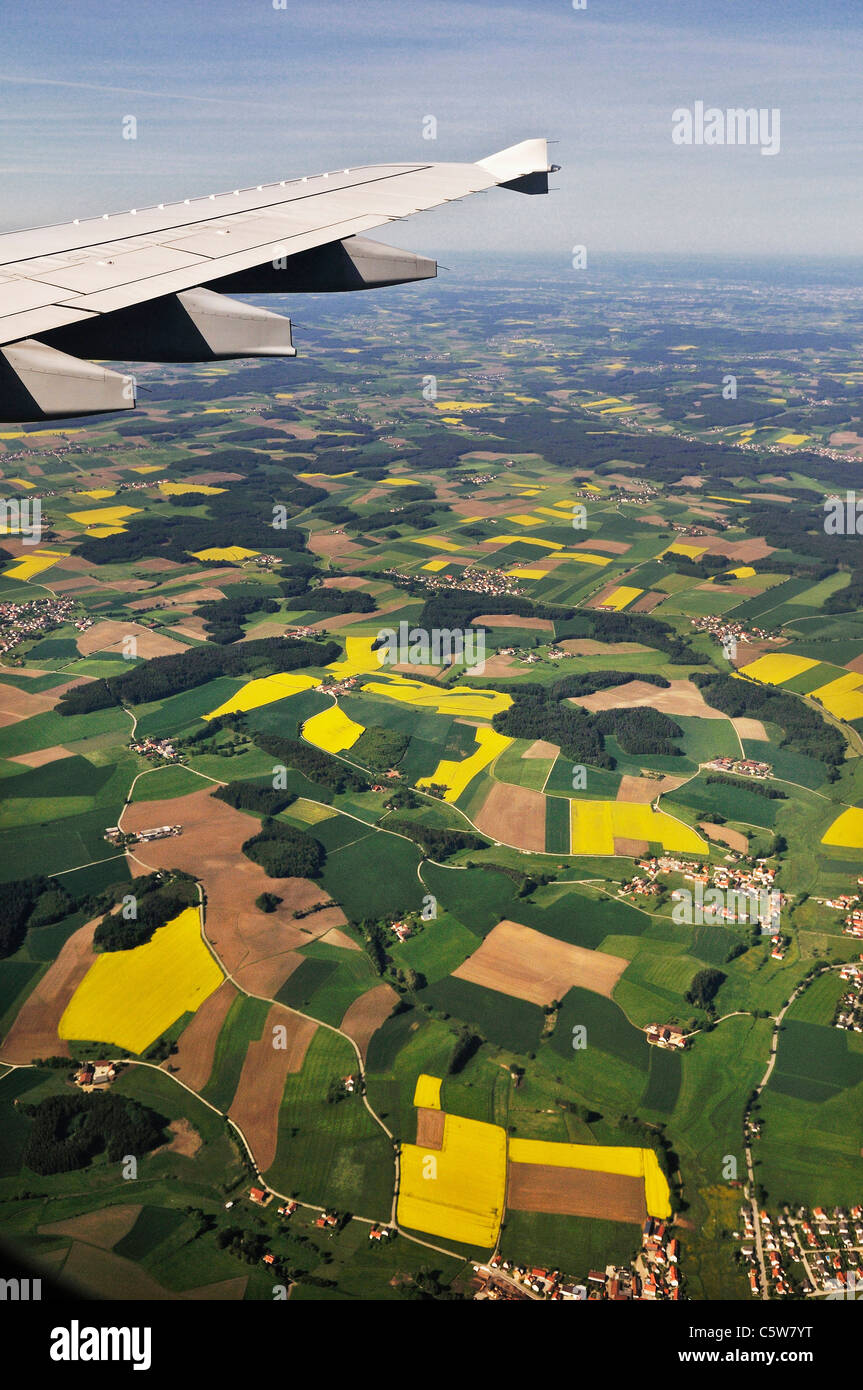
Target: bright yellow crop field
525, 519
522, 540
434, 542
129, 998
596, 825
678, 548
456, 776
777, 667
458, 700
596, 1158
435, 565
228, 552
527, 574
427, 1092
103, 516
619, 598
358, 659
264, 690
28, 565
585, 557
842, 697
458, 1191
98, 494
846, 830
179, 489
332, 730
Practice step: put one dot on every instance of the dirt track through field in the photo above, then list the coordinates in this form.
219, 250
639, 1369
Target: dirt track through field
525, 964
575, 1192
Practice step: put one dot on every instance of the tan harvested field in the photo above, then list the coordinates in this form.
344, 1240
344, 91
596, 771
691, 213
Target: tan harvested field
340, 938
430, 1127
724, 835
856, 664
111, 1276
525, 964
575, 1192
110, 635
752, 728
348, 581
630, 849
103, 1227
612, 547
679, 698
196, 1046
588, 646
512, 620
541, 749
515, 815
210, 848
41, 756
266, 977
326, 543
34, 1032
365, 1015
255, 1107
647, 789
741, 552
21, 704
333, 621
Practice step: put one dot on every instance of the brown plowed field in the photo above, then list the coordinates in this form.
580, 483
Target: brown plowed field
751, 728
34, 1032
41, 756
541, 749
515, 815
512, 620
255, 1107
365, 1015
630, 849
210, 848
430, 1126
734, 839
196, 1046
575, 1192
103, 1227
525, 964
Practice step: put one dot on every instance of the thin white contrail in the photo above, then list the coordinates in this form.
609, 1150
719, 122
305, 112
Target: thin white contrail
130, 91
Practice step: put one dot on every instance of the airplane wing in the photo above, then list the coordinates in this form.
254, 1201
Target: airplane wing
146, 285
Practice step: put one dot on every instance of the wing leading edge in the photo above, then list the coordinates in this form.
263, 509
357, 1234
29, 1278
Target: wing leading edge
147, 285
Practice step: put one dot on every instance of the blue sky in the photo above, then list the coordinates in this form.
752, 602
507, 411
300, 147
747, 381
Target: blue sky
236, 92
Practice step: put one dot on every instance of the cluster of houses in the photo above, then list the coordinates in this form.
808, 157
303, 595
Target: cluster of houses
741, 767
849, 904
652, 1276
155, 748
828, 1247
729, 633
22, 622
849, 1010
755, 882
470, 580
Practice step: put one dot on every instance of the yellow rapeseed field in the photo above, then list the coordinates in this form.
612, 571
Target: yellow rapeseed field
427, 1092
619, 598
435, 565
434, 542
332, 730
462, 405
228, 552
525, 519
263, 691
596, 1158
359, 658
29, 565
679, 548
793, 439
129, 998
596, 825
461, 701
456, 776
846, 830
103, 516
522, 540
458, 1191
585, 557
843, 697
777, 667
98, 494
179, 489
527, 574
